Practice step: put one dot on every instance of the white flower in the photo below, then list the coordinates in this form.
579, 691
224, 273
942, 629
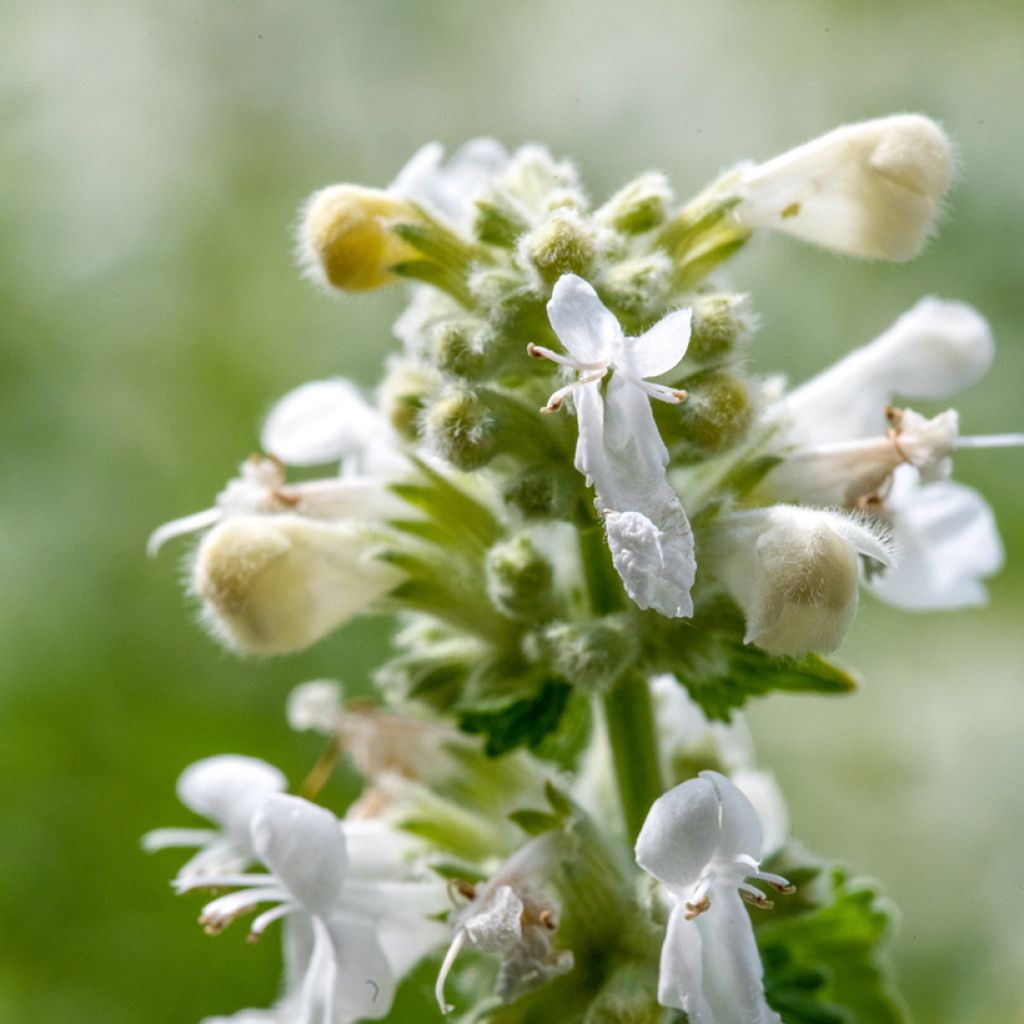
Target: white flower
349, 939
946, 541
702, 840
511, 916
936, 349
871, 189
322, 421
619, 449
686, 737
315, 706
843, 443
227, 789
273, 584
448, 189
795, 573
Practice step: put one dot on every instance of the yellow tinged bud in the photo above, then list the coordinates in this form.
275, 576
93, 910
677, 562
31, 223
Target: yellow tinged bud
345, 240
274, 584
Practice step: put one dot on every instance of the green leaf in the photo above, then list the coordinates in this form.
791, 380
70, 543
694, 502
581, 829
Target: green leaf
535, 822
523, 723
824, 965
721, 672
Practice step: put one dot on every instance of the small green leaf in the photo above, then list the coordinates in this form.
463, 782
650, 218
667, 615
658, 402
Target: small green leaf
523, 723
824, 964
535, 822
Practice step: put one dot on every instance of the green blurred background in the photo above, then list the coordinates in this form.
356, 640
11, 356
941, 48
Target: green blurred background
152, 159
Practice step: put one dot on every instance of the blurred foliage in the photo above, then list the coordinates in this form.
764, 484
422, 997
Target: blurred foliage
153, 157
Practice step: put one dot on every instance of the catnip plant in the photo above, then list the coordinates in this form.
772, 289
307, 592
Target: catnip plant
600, 536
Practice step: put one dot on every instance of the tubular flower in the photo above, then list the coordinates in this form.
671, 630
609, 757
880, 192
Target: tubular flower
273, 584
845, 444
349, 939
511, 916
620, 450
228, 790
702, 840
795, 573
870, 189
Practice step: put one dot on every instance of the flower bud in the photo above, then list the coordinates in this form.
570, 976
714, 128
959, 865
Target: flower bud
274, 584
344, 239
404, 394
870, 189
457, 349
640, 286
519, 578
315, 706
715, 416
639, 206
717, 327
543, 492
563, 244
592, 654
461, 429
795, 573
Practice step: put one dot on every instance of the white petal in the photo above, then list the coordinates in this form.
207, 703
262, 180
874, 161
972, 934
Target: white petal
648, 532
681, 833
273, 584
761, 789
948, 542
741, 827
228, 788
315, 706
304, 847
935, 349
659, 349
733, 976
681, 971
408, 940
320, 422
583, 325
363, 984
497, 926
870, 189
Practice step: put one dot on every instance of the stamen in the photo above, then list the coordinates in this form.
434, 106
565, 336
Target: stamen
259, 924
991, 441
559, 396
540, 352
696, 909
442, 975
754, 896
673, 396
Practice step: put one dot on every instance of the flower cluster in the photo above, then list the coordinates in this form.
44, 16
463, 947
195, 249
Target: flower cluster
601, 535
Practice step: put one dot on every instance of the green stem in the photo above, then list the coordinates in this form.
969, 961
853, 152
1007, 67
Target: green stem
629, 716
629, 719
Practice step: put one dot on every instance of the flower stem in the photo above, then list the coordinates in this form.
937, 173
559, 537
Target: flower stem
629, 720
628, 714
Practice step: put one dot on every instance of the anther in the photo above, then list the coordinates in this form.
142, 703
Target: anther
696, 909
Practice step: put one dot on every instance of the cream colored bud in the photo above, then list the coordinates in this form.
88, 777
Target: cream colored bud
345, 241
870, 189
795, 574
273, 584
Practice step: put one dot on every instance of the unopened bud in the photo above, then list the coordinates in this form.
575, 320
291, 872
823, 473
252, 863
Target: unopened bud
715, 416
460, 428
273, 584
519, 578
592, 654
639, 206
404, 394
870, 189
640, 286
543, 492
458, 350
795, 573
345, 241
563, 244
718, 326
